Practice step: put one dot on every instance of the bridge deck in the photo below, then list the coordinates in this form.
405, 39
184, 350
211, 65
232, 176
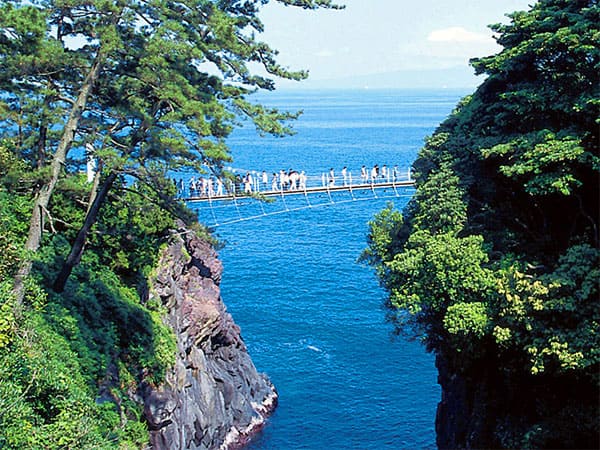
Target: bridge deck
308, 190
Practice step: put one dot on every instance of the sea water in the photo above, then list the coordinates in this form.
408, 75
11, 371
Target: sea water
312, 317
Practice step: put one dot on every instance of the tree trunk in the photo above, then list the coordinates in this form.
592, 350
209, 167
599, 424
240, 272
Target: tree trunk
42, 199
95, 185
41, 146
78, 245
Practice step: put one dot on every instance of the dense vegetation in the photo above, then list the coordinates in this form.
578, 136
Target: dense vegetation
144, 89
496, 259
69, 363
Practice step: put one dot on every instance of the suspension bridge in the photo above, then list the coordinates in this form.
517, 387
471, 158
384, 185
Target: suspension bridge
254, 197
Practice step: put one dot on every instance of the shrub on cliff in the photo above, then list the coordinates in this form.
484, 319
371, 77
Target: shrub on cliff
69, 362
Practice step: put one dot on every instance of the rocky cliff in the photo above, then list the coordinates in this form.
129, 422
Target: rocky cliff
486, 406
213, 398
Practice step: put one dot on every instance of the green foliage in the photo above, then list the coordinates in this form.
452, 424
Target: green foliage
386, 225
13, 210
525, 144
104, 320
8, 323
467, 325
496, 258
67, 208
468, 320
10, 166
436, 271
440, 200
54, 357
134, 84
58, 350
101, 309
44, 401
542, 162
23, 43
553, 317
130, 230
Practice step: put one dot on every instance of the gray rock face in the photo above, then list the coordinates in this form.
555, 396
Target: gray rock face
213, 398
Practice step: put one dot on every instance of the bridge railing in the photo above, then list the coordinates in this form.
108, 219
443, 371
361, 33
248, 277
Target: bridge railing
254, 182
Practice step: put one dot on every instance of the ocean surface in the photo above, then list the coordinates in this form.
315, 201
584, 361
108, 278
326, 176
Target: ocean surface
312, 317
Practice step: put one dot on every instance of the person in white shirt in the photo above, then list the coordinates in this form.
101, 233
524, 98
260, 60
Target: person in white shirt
248, 183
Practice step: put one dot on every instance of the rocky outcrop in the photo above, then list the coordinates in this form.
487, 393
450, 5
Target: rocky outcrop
213, 398
484, 405
463, 414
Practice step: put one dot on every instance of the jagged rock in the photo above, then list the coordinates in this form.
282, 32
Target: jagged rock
213, 397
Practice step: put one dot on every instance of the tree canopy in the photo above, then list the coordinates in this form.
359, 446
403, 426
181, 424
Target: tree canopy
496, 257
146, 89
152, 87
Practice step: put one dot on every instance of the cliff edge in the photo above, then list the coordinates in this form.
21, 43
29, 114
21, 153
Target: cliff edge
213, 397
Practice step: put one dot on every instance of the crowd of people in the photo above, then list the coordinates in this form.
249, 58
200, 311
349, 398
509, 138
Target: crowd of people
373, 175
201, 187
290, 180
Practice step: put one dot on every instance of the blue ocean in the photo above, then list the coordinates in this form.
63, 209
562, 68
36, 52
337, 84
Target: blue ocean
311, 315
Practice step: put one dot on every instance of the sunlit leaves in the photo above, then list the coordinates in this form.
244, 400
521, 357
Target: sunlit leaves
383, 232
25, 52
548, 73
430, 267
7, 316
436, 271
542, 161
441, 205
13, 212
467, 321
554, 317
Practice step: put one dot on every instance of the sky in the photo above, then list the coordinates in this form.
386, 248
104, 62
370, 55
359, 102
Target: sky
387, 43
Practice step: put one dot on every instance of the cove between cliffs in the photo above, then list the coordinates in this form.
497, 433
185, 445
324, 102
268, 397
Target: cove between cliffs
213, 397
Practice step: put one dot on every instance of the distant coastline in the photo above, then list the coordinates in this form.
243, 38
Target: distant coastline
459, 77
